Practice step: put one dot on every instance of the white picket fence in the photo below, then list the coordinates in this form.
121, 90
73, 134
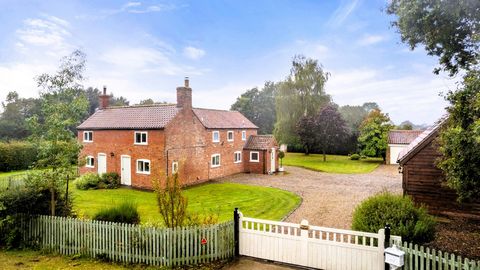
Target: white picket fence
311, 246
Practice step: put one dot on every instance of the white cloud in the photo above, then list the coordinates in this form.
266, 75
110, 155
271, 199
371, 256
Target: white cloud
129, 7
342, 13
193, 53
371, 39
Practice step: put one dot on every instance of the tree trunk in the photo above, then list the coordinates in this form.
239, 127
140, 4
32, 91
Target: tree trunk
52, 201
324, 156
306, 151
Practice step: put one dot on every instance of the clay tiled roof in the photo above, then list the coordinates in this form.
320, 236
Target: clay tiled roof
131, 117
260, 142
222, 119
402, 136
421, 141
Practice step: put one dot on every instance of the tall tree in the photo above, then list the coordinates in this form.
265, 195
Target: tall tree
460, 140
118, 101
332, 130
374, 134
306, 130
405, 125
64, 105
16, 110
354, 116
301, 94
447, 29
258, 106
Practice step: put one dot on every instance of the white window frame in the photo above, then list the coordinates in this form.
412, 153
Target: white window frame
235, 157
88, 139
144, 161
141, 133
93, 162
228, 136
219, 161
213, 136
244, 135
258, 156
174, 167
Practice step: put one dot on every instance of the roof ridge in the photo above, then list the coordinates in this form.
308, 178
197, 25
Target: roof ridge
141, 106
214, 110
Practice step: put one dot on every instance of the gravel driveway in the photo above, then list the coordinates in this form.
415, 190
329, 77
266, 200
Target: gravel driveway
328, 199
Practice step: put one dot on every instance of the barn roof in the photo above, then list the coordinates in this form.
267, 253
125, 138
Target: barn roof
157, 116
421, 141
222, 119
131, 117
260, 142
402, 136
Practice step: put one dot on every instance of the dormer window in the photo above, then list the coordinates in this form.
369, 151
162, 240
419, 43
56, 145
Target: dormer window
88, 136
216, 136
230, 136
141, 137
244, 135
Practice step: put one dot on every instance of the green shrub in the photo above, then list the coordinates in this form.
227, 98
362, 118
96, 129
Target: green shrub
110, 180
17, 155
126, 212
412, 223
88, 181
355, 157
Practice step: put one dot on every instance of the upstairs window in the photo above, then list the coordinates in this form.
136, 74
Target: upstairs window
215, 160
88, 136
141, 137
237, 157
90, 162
230, 136
244, 135
216, 136
254, 156
143, 166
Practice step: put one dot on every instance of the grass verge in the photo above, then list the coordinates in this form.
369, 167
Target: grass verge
334, 163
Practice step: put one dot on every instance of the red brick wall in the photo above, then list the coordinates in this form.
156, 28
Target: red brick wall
121, 142
190, 144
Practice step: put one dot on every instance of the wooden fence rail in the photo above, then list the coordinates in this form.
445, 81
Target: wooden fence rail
129, 243
419, 257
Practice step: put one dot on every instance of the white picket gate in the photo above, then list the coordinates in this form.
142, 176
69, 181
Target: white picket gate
311, 246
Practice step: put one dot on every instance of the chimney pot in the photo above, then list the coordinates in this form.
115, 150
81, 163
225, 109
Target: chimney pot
104, 99
104, 89
187, 82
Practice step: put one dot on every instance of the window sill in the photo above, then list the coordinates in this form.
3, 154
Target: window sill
147, 173
215, 166
90, 167
254, 161
140, 143
236, 162
87, 141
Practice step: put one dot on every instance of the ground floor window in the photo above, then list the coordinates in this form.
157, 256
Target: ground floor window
238, 157
216, 160
143, 166
174, 167
254, 156
90, 162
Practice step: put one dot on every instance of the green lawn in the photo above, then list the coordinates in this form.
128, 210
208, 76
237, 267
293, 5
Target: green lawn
4, 175
334, 163
20, 259
216, 198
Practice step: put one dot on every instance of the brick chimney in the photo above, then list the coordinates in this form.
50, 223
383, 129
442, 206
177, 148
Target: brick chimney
184, 95
104, 99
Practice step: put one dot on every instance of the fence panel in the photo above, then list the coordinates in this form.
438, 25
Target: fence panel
129, 243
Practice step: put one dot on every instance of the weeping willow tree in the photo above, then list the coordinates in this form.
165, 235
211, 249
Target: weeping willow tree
301, 94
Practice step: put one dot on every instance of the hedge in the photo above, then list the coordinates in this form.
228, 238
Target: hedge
17, 155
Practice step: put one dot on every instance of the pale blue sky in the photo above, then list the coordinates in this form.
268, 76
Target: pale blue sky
143, 49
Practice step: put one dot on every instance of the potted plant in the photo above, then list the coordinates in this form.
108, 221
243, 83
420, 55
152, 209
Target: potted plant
281, 155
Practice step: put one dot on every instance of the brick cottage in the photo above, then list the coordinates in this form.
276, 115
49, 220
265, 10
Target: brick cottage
142, 143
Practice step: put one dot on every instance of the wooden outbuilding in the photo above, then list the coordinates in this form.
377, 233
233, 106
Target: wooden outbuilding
424, 181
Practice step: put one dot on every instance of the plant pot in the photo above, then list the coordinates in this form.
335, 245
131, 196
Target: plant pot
281, 169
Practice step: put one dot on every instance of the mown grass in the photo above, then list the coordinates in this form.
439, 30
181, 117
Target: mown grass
334, 163
211, 198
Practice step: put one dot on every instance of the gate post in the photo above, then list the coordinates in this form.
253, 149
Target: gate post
304, 242
386, 244
236, 231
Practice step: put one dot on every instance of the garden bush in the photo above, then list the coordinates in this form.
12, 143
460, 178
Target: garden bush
109, 180
88, 181
17, 155
355, 157
94, 181
125, 212
412, 223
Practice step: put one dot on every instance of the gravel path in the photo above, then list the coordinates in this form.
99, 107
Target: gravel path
328, 199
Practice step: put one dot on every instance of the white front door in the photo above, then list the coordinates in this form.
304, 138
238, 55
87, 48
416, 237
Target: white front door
272, 158
126, 175
102, 163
